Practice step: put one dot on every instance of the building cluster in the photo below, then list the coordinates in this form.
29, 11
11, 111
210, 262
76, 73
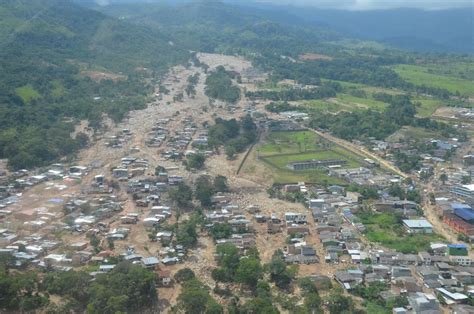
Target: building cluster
119, 139
364, 176
424, 279
158, 134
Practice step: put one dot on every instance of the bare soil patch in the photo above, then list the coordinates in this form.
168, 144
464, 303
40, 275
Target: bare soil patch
99, 76
314, 57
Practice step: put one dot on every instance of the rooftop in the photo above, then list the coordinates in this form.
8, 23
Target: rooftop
469, 187
464, 213
417, 223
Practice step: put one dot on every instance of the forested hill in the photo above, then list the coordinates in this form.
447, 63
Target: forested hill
51, 53
410, 29
214, 26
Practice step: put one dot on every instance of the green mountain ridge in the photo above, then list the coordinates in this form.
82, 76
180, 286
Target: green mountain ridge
44, 45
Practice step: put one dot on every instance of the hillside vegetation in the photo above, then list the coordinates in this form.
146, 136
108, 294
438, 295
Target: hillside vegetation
44, 47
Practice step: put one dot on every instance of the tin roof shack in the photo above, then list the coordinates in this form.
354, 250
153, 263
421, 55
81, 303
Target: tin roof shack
273, 228
418, 226
165, 278
424, 302
78, 246
118, 234
457, 250
295, 230
301, 254
150, 262
56, 259
120, 173
241, 241
452, 297
295, 218
348, 279
7, 238
78, 171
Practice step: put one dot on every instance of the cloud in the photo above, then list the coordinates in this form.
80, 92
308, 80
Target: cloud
378, 4
102, 3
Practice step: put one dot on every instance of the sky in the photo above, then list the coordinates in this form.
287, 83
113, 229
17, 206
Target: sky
379, 4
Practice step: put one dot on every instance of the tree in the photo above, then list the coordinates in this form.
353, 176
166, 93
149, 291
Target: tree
196, 161
312, 303
184, 275
159, 169
280, 274
195, 298
307, 285
338, 303
220, 184
221, 275
187, 235
111, 244
230, 151
220, 231
443, 178
181, 195
259, 305
228, 256
249, 272
466, 180
204, 190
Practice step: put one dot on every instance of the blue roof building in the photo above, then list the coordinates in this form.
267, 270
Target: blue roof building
459, 206
466, 214
457, 249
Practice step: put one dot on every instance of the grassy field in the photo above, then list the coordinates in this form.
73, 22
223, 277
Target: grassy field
362, 103
387, 230
290, 143
27, 93
344, 102
281, 161
281, 148
420, 75
463, 70
325, 106
428, 106
413, 133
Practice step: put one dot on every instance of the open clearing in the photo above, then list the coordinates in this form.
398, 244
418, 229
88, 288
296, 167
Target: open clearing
367, 103
314, 57
27, 93
280, 148
387, 230
99, 76
419, 75
427, 106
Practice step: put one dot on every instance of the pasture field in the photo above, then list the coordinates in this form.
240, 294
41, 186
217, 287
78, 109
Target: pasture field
290, 143
362, 103
420, 75
463, 70
325, 105
427, 106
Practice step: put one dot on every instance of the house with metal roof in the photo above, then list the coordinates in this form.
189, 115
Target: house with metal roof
465, 213
418, 226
